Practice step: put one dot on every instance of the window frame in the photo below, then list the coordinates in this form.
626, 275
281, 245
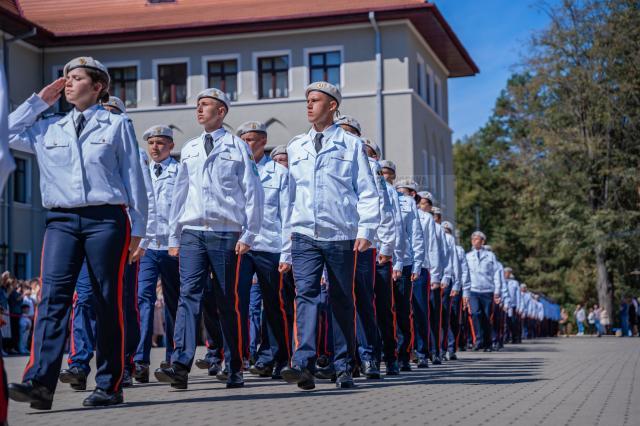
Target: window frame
27, 178
155, 64
126, 64
225, 57
256, 56
308, 51
27, 263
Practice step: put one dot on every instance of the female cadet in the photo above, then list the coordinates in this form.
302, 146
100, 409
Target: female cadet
90, 174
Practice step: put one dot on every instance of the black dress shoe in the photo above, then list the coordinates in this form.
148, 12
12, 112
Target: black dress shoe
223, 374
177, 376
345, 380
326, 372
165, 364
437, 360
214, 369
323, 361
370, 369
300, 376
393, 369
102, 398
202, 364
355, 372
74, 376
32, 392
276, 374
127, 379
261, 369
423, 363
141, 373
405, 366
235, 380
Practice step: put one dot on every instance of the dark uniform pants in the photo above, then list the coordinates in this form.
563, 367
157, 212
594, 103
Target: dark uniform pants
367, 329
455, 323
102, 235
386, 344
402, 295
83, 323
421, 313
270, 283
154, 264
481, 314
309, 257
201, 251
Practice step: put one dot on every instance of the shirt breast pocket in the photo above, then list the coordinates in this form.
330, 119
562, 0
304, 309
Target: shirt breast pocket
271, 194
57, 152
340, 163
100, 151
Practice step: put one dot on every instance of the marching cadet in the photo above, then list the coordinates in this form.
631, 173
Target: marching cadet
513, 288
279, 155
410, 292
439, 297
90, 173
380, 256
83, 317
367, 330
334, 215
523, 310
498, 311
451, 288
216, 214
386, 277
156, 261
456, 318
431, 276
482, 291
270, 254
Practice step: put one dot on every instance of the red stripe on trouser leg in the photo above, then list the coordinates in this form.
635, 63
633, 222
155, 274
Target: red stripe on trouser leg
123, 262
72, 338
473, 331
237, 309
35, 316
284, 314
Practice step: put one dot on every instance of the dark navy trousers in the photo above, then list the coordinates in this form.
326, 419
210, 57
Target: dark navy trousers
269, 295
366, 327
309, 258
154, 264
101, 234
420, 306
256, 315
445, 314
386, 344
83, 323
402, 295
435, 320
201, 252
212, 328
480, 304
455, 323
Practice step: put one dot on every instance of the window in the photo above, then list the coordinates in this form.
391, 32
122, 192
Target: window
273, 77
20, 181
63, 105
124, 84
437, 94
428, 87
223, 75
172, 84
20, 265
325, 66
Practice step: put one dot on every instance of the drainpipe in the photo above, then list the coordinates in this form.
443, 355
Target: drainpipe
379, 106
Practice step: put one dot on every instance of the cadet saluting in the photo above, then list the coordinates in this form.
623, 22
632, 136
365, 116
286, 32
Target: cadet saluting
216, 214
334, 215
90, 170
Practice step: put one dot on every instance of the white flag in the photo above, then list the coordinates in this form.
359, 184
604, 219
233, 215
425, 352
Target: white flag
7, 165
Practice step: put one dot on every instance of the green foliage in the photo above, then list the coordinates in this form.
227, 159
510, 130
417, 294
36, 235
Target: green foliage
555, 169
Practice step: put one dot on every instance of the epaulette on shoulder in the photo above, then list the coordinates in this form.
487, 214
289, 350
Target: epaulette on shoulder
295, 138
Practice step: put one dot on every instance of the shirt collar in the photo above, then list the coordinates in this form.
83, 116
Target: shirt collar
164, 163
216, 134
328, 132
88, 113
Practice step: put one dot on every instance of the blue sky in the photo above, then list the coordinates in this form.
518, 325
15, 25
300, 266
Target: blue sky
495, 32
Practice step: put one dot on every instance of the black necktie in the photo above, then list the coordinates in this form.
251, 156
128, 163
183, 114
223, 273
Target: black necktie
158, 168
208, 143
80, 125
317, 141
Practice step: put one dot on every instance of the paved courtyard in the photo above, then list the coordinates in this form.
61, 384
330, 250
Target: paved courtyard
575, 381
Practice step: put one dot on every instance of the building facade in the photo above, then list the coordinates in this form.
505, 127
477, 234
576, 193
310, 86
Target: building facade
390, 61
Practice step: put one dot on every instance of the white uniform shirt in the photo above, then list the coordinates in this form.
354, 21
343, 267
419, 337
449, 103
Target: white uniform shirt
100, 167
333, 194
217, 192
163, 186
275, 183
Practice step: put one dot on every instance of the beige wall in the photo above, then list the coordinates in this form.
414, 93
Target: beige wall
411, 127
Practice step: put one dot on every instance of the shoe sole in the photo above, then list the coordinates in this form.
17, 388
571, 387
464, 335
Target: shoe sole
393, 373
307, 385
105, 404
291, 377
346, 385
202, 365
